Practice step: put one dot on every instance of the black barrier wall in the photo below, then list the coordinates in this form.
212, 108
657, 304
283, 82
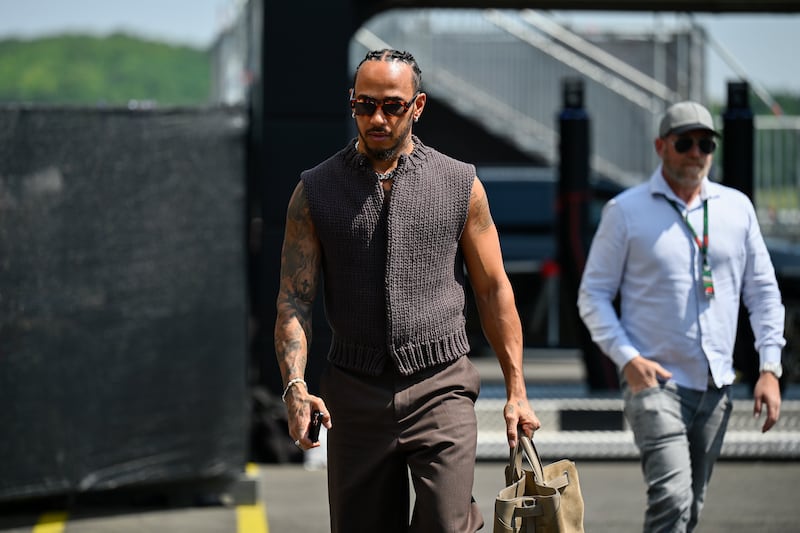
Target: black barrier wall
123, 345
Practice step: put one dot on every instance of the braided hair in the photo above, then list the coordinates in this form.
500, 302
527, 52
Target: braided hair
393, 55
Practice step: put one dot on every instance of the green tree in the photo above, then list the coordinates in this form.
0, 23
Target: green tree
77, 69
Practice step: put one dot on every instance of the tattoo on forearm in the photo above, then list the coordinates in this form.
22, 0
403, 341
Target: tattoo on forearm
300, 263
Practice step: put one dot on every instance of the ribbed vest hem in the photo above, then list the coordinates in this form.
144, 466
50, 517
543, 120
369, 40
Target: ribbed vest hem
364, 359
412, 358
408, 359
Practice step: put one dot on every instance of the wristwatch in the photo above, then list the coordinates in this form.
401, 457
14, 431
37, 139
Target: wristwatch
775, 368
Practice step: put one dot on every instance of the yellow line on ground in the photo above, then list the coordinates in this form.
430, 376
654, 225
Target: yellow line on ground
51, 522
252, 518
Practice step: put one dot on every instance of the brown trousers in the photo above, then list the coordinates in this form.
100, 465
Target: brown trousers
387, 426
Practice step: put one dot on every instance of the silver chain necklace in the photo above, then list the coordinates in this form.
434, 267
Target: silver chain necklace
384, 177
381, 177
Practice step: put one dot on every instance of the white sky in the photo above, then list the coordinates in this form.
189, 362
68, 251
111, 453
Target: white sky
192, 22
764, 45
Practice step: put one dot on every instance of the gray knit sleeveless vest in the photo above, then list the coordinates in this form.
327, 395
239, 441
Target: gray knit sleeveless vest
392, 271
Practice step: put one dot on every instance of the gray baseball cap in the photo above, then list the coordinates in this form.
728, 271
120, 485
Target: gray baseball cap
686, 116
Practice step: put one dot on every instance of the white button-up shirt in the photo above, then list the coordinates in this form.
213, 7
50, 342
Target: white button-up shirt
644, 251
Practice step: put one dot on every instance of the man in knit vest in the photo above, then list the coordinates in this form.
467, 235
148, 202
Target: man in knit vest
386, 226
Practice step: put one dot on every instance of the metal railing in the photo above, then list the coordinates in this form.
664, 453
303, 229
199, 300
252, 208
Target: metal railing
505, 68
777, 175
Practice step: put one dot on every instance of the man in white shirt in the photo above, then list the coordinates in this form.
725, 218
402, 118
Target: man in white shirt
680, 251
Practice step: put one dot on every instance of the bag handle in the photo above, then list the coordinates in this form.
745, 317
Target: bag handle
526, 448
514, 471
533, 457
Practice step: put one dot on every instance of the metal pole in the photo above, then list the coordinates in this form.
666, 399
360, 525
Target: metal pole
738, 172
738, 153
573, 232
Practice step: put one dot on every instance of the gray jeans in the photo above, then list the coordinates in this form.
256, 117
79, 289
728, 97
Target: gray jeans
679, 434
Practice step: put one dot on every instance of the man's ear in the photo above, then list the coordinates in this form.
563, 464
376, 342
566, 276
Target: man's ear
660, 143
419, 105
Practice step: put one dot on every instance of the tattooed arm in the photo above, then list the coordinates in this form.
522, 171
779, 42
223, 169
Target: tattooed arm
300, 270
498, 313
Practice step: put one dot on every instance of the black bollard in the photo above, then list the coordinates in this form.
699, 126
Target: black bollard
738, 171
574, 232
737, 157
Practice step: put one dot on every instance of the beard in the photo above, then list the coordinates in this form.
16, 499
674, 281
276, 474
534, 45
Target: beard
392, 152
686, 176
387, 154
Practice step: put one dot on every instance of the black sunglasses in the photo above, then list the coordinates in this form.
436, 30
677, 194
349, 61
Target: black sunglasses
390, 106
684, 144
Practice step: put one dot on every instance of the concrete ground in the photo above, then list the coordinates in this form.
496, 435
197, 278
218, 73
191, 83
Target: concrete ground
752, 496
743, 497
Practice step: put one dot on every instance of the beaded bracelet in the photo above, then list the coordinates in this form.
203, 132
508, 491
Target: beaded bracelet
292, 383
